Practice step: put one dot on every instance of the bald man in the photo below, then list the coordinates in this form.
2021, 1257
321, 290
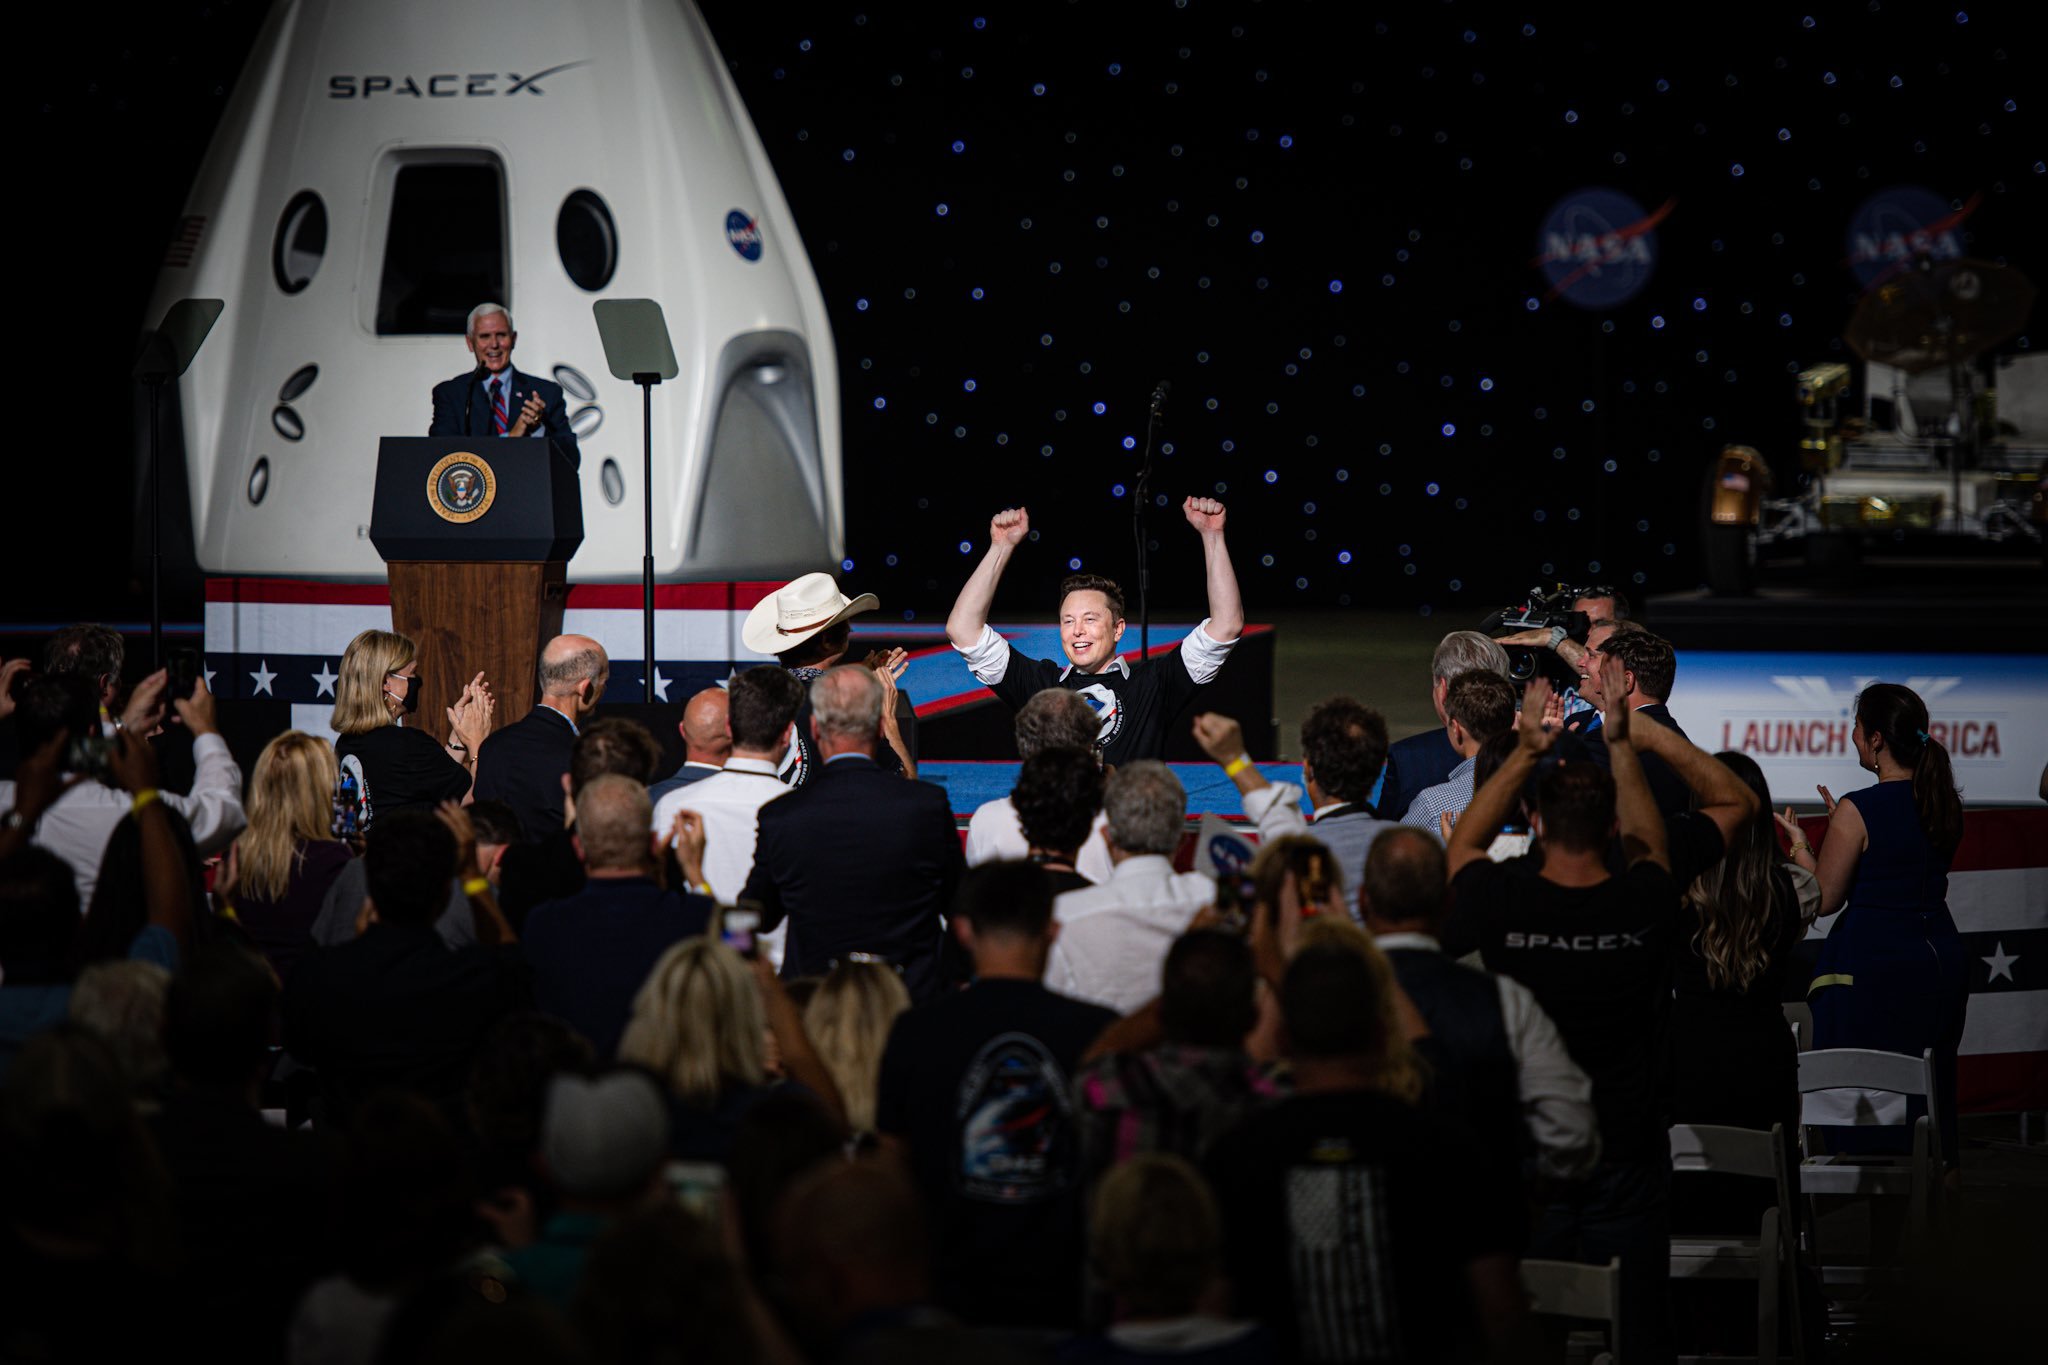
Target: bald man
707, 742
523, 764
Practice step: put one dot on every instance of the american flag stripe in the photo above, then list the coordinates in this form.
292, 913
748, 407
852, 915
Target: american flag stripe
184, 244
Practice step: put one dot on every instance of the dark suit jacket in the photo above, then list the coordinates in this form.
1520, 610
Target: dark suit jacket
462, 408
860, 861
1414, 763
590, 952
1667, 788
522, 765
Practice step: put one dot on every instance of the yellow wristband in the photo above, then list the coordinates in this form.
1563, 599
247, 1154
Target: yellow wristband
142, 798
1237, 765
476, 886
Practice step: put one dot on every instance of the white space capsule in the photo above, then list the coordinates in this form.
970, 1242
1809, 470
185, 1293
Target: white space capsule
385, 165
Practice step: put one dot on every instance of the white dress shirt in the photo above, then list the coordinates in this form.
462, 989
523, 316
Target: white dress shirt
730, 801
77, 826
988, 658
1114, 937
1557, 1097
994, 832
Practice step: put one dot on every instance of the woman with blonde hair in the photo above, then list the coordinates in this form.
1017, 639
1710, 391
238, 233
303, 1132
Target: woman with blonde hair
397, 767
281, 867
849, 1020
702, 1023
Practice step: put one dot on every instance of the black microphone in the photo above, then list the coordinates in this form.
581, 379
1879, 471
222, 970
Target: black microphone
1159, 396
469, 395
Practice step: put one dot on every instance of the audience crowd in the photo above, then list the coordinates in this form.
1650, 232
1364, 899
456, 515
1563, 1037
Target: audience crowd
512, 1048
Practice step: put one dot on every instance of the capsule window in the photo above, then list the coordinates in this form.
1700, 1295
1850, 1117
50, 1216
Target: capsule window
301, 242
444, 249
588, 240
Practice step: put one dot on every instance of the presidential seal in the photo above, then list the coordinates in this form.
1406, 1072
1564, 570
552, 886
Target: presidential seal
460, 487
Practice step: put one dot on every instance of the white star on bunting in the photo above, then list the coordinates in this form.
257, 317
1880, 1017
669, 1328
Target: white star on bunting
209, 679
324, 680
2000, 963
262, 677
660, 685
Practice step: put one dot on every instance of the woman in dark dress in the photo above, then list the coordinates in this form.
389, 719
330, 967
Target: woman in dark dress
1734, 1062
280, 867
396, 767
1893, 975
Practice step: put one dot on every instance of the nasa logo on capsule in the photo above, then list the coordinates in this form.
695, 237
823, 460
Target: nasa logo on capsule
1598, 247
744, 233
461, 487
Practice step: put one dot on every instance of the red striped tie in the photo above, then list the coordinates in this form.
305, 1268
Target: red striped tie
498, 404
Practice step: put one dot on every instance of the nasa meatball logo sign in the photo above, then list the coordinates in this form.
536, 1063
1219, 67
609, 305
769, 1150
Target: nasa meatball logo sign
1598, 248
461, 487
1893, 228
744, 233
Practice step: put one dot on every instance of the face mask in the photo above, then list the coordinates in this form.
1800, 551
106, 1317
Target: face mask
410, 703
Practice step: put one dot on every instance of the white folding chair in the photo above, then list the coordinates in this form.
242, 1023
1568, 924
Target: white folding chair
1570, 1289
1770, 1256
1799, 1018
1854, 1075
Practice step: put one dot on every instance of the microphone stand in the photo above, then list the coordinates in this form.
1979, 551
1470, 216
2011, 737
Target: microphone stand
1141, 503
469, 395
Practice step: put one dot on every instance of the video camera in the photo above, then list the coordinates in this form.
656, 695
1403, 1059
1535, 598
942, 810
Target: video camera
1540, 611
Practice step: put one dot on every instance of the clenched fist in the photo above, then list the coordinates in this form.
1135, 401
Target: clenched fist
1204, 514
1009, 527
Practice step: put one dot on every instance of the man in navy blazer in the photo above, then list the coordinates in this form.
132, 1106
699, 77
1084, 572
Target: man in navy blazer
1423, 760
858, 860
523, 764
494, 399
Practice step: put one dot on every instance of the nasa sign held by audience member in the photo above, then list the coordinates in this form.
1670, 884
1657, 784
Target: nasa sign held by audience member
1598, 247
1896, 226
1793, 714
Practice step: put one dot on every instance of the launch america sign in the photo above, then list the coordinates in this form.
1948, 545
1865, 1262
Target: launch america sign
1793, 714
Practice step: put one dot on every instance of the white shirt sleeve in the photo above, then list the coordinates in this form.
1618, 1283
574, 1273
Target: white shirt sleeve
1275, 809
1557, 1097
1806, 887
989, 657
1202, 652
214, 807
993, 832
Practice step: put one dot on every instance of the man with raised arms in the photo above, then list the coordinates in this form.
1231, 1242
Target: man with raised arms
1136, 704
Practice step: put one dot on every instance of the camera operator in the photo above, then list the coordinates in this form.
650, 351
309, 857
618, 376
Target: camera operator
1603, 606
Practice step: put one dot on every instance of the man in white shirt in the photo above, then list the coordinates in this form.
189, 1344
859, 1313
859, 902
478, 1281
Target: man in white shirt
1053, 719
77, 825
1113, 938
761, 704
1134, 706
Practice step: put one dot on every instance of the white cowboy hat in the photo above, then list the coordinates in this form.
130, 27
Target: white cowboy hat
796, 611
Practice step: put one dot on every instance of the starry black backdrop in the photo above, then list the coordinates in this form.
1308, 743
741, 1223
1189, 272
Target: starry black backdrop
1318, 227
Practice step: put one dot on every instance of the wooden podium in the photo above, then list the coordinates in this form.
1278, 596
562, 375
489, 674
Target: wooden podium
476, 535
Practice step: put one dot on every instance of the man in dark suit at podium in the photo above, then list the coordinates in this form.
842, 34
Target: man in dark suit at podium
495, 399
857, 859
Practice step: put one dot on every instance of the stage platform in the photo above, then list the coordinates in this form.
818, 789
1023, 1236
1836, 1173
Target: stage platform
1904, 606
